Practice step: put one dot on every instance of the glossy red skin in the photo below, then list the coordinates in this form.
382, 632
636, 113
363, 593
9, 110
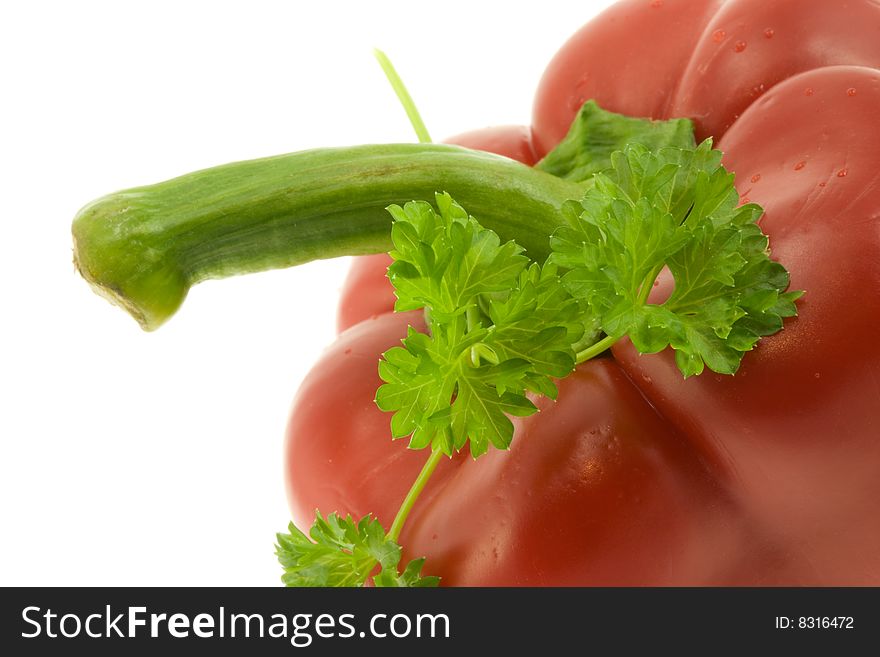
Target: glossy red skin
796, 433
793, 458
597, 488
513, 141
701, 59
629, 59
366, 292
339, 453
751, 45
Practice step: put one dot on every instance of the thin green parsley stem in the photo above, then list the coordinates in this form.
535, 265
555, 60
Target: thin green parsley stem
595, 350
413, 494
472, 323
648, 284
403, 95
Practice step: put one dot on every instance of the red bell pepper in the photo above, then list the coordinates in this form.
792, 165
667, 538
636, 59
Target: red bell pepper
768, 477
634, 475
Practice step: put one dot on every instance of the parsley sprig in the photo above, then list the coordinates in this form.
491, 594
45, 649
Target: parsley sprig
342, 552
501, 326
675, 208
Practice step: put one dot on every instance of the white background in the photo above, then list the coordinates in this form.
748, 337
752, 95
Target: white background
132, 458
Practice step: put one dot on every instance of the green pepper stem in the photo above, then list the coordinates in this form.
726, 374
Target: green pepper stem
413, 494
145, 247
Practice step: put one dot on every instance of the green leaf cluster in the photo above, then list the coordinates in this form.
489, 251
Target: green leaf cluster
596, 134
499, 326
342, 552
678, 209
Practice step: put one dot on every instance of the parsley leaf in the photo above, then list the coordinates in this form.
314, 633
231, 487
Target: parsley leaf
445, 260
342, 552
411, 577
498, 327
678, 209
596, 133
